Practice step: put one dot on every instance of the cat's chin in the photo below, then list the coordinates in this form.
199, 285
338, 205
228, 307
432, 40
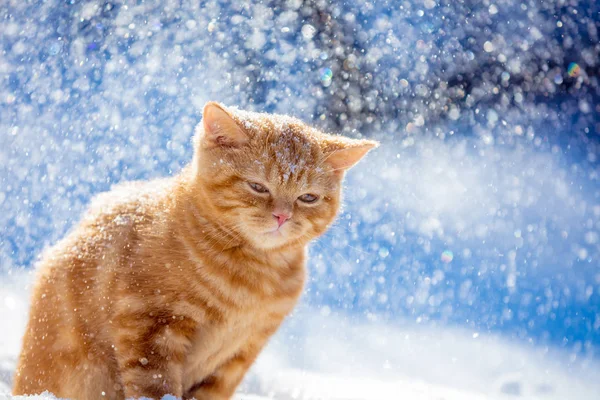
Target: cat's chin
274, 238
271, 239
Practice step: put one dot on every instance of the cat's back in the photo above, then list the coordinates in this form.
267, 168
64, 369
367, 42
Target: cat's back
85, 263
114, 215
74, 293
129, 204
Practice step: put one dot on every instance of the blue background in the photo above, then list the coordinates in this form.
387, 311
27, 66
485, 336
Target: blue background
95, 93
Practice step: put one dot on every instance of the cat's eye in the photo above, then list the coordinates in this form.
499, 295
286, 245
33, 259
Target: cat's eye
308, 198
257, 187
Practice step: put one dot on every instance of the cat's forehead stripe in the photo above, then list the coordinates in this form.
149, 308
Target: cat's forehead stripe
291, 149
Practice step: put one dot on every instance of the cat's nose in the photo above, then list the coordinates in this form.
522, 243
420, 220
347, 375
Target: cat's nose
281, 217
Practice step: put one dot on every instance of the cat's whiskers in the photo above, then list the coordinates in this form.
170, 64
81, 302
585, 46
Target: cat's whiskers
337, 224
210, 232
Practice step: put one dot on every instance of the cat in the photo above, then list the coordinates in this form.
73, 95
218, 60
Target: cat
174, 286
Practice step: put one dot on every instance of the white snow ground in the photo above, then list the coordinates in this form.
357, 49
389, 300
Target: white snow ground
333, 358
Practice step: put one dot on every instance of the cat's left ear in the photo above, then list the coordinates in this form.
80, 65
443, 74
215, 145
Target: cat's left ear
345, 153
220, 130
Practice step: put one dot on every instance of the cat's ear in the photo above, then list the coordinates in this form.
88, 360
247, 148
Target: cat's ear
344, 153
220, 130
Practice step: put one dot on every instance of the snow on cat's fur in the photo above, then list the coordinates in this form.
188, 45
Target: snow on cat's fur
174, 286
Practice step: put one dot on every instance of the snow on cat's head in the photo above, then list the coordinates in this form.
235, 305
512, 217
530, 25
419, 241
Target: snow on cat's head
271, 178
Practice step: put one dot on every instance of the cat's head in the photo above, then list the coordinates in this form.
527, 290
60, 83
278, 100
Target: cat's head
270, 178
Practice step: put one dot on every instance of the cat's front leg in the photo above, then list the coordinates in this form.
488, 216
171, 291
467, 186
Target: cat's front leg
221, 384
150, 350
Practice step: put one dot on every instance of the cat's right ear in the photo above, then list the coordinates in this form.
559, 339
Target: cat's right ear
220, 130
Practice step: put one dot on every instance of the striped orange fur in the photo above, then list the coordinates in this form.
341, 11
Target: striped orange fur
174, 286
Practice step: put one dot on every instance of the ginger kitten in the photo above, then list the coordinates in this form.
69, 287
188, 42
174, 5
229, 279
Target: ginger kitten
174, 286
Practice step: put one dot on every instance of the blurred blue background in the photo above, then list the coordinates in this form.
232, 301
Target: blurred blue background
480, 210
